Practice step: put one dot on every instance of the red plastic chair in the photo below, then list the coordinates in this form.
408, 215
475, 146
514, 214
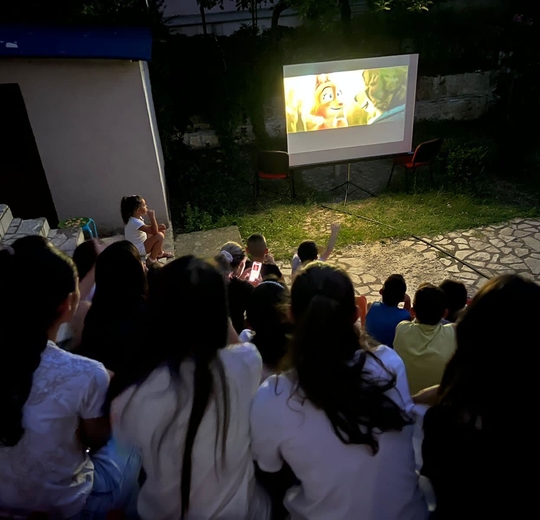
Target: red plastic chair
273, 165
424, 155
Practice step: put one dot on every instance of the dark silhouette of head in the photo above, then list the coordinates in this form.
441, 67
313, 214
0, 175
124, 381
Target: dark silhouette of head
429, 304
393, 290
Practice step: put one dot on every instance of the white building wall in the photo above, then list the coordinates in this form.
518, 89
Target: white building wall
96, 133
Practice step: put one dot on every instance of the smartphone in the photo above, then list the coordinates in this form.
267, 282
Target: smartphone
255, 271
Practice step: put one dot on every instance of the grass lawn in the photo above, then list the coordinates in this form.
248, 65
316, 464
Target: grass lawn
286, 224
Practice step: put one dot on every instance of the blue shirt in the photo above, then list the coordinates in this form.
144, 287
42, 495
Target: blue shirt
382, 320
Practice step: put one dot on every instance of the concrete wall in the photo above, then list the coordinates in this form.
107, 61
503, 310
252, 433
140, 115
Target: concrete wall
457, 97
95, 130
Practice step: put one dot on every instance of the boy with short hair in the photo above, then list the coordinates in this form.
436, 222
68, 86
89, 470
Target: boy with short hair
308, 250
383, 317
456, 299
426, 345
257, 249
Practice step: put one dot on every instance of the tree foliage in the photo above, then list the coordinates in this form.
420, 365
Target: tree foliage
407, 5
84, 12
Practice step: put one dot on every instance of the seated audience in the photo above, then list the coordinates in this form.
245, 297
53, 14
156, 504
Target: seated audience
257, 249
383, 317
425, 345
147, 238
116, 321
269, 324
309, 252
55, 454
188, 410
152, 273
485, 403
232, 261
84, 257
456, 299
339, 418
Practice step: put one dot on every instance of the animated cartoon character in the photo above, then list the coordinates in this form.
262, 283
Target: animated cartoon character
293, 108
387, 89
327, 111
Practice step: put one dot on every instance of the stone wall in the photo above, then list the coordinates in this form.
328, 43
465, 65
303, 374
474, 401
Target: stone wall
458, 97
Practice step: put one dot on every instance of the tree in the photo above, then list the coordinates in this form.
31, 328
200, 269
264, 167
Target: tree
203, 6
84, 12
408, 5
252, 6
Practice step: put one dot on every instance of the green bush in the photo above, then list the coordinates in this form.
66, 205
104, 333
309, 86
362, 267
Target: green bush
466, 164
205, 185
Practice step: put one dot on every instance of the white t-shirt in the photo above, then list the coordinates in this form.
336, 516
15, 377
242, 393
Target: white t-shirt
133, 233
48, 470
220, 489
338, 481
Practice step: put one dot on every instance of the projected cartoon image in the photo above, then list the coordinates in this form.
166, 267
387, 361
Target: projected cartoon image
341, 99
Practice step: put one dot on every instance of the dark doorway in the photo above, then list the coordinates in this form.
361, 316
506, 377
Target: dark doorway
23, 184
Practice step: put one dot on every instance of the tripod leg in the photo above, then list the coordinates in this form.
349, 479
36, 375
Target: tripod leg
348, 182
391, 173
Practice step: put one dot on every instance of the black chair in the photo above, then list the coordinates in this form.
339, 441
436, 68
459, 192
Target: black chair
273, 165
424, 155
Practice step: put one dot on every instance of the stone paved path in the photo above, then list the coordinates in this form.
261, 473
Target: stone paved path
508, 248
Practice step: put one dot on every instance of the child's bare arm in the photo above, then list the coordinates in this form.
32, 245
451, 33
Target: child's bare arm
153, 227
331, 242
407, 303
429, 396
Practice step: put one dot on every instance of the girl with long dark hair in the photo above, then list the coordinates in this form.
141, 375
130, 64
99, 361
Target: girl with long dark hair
481, 435
188, 409
339, 417
269, 325
115, 325
50, 400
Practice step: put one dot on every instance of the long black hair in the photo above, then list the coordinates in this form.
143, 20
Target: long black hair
116, 318
35, 280
182, 294
85, 256
477, 382
128, 206
330, 364
267, 315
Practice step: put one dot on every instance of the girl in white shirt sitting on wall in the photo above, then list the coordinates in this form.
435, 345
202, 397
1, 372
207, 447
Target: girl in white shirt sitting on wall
189, 409
339, 417
148, 239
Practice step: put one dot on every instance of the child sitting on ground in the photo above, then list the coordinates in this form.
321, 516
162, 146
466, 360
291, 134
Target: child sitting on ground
148, 239
383, 317
456, 299
426, 345
257, 249
268, 324
309, 252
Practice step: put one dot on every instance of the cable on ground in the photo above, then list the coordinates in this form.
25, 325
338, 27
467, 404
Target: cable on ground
427, 242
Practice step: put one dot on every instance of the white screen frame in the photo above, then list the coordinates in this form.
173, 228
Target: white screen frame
311, 148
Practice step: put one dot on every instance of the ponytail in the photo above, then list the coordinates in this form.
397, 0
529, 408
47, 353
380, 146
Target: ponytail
37, 278
128, 206
203, 387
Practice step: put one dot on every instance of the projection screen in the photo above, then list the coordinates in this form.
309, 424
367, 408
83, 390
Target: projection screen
347, 110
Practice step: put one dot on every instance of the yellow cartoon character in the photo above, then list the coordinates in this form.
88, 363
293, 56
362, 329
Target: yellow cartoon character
327, 111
